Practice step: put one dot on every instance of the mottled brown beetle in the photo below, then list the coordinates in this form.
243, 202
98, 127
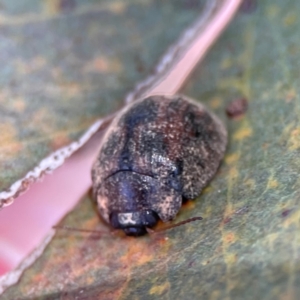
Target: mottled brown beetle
157, 152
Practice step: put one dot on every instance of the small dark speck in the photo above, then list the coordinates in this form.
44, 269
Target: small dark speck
286, 212
237, 107
139, 64
67, 5
226, 220
248, 6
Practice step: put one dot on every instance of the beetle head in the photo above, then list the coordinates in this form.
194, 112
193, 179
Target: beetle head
134, 223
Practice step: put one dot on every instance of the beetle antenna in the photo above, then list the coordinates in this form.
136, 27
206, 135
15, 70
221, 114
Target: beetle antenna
79, 229
150, 231
176, 225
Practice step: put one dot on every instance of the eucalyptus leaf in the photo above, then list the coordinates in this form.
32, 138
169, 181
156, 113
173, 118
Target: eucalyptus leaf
247, 246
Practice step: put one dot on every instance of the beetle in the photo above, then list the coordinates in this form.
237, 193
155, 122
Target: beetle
156, 153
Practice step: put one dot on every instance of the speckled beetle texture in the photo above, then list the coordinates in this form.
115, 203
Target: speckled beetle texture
157, 152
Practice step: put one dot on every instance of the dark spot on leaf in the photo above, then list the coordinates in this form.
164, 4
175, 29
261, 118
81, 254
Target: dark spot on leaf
139, 64
226, 220
286, 212
237, 107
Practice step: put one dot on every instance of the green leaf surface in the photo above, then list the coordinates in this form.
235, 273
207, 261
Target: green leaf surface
66, 63
248, 244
